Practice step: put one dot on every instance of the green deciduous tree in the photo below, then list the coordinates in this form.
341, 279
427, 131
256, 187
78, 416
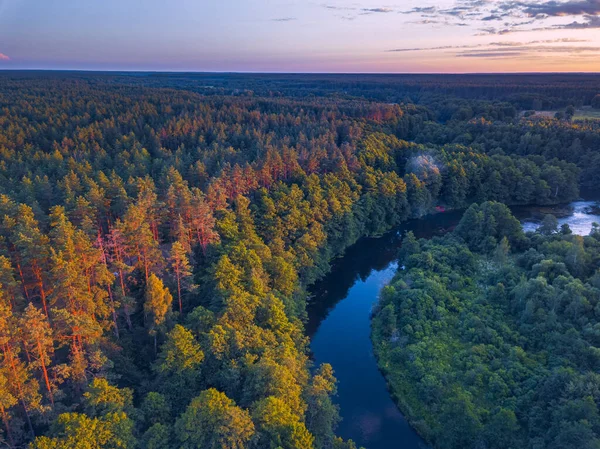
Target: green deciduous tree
549, 225
279, 426
212, 420
78, 431
322, 415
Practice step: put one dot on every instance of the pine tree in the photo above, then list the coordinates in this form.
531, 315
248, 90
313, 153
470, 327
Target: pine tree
202, 221
105, 277
178, 202
181, 270
20, 385
84, 216
79, 304
157, 305
183, 234
7, 400
34, 254
9, 285
147, 201
38, 339
139, 239
118, 265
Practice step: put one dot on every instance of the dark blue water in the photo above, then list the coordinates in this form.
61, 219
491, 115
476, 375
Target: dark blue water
339, 327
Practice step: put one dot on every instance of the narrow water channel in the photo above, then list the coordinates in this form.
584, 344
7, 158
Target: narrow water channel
339, 323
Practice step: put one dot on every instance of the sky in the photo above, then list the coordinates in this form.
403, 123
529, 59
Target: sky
367, 36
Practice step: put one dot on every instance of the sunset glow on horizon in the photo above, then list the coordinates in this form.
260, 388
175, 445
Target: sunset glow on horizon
302, 36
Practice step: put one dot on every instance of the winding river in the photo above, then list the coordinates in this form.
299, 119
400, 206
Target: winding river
339, 323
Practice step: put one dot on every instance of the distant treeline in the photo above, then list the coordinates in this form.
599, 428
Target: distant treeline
525, 91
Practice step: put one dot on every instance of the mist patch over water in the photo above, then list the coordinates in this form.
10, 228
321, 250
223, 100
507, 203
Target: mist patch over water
424, 167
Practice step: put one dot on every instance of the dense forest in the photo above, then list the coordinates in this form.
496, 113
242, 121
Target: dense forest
157, 239
489, 337
524, 91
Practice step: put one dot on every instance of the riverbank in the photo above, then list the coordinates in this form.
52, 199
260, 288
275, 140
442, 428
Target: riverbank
340, 331
417, 351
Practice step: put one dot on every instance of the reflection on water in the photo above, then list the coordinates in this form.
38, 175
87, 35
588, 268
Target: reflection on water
370, 417
339, 323
339, 327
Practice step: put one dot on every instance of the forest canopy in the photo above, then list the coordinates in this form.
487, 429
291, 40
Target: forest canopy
488, 336
158, 233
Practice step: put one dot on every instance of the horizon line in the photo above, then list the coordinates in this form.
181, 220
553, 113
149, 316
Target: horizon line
243, 72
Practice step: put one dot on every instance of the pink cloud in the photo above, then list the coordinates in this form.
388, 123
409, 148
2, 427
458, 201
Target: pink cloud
3, 57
